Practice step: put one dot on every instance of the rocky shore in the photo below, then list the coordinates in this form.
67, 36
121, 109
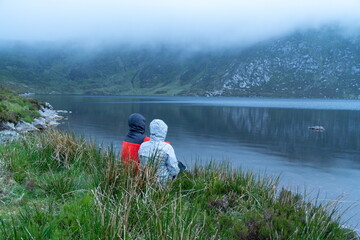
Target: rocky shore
48, 118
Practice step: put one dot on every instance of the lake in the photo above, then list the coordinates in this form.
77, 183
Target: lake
267, 136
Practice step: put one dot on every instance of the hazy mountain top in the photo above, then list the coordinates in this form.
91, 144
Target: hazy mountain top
322, 62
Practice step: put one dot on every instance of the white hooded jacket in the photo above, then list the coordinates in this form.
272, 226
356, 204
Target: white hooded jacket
160, 152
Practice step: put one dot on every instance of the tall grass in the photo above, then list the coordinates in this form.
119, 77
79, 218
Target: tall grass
70, 189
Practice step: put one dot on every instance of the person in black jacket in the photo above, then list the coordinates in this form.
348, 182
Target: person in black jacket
133, 139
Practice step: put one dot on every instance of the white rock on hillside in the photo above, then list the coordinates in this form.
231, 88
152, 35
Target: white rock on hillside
7, 126
25, 127
8, 135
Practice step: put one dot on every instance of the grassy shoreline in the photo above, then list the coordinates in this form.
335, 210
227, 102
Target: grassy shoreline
56, 186
14, 108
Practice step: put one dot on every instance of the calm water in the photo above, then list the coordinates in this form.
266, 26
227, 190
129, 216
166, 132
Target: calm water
264, 135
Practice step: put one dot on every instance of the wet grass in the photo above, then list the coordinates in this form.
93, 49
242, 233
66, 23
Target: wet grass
14, 108
56, 186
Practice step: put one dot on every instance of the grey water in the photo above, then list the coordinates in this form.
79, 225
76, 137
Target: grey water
267, 136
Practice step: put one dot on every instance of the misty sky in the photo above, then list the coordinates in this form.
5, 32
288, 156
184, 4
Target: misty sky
209, 22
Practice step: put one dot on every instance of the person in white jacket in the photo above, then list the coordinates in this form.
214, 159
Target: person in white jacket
158, 151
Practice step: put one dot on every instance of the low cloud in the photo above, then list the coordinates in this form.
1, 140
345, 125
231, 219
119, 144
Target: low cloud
202, 22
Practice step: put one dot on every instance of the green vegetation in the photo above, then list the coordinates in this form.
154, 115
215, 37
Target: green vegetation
319, 63
14, 108
56, 186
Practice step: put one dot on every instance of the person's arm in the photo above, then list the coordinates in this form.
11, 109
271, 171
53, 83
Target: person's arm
172, 163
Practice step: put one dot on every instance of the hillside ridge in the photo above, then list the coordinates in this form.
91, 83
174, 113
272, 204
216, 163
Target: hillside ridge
321, 63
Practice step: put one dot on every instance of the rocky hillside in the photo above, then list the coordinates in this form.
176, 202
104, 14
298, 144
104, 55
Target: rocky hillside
313, 63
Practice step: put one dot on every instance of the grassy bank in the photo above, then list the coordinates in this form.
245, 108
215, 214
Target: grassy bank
14, 108
54, 186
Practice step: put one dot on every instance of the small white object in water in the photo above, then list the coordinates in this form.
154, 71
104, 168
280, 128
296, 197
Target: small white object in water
317, 128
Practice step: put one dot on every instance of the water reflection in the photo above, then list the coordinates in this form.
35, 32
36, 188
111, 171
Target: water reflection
285, 132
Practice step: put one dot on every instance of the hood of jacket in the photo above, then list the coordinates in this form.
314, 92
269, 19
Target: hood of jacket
158, 130
136, 132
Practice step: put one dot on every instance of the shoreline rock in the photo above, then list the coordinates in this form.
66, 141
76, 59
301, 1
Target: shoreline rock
28, 94
48, 118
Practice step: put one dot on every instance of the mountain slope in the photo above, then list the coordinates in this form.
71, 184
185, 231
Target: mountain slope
314, 63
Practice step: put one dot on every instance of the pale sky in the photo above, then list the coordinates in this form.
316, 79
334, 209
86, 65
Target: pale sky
208, 22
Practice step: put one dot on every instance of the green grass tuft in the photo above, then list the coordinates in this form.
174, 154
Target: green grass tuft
14, 108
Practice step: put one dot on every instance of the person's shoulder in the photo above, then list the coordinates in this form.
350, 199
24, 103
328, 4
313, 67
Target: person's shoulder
166, 145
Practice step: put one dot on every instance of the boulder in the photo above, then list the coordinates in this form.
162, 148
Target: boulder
29, 94
8, 136
48, 106
25, 127
7, 126
39, 123
53, 123
49, 114
62, 111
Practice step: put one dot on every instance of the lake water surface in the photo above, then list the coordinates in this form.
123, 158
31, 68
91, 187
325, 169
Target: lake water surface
265, 135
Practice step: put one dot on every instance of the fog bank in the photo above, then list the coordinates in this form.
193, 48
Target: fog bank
202, 22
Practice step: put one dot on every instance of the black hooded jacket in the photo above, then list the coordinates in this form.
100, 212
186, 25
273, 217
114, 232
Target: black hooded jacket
136, 132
